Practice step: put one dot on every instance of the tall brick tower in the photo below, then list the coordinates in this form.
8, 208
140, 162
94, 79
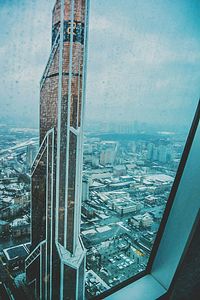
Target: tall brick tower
55, 267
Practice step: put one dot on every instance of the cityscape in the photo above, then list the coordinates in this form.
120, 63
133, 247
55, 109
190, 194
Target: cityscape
126, 182
83, 192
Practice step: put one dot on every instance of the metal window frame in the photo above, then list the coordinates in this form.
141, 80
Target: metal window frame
149, 284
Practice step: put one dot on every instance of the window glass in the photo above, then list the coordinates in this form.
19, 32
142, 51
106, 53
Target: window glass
142, 89
142, 92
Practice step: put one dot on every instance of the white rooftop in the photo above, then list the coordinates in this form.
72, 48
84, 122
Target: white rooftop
159, 177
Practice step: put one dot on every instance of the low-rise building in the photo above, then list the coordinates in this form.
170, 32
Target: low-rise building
125, 208
85, 188
20, 227
4, 228
15, 256
147, 220
22, 200
150, 199
88, 211
119, 170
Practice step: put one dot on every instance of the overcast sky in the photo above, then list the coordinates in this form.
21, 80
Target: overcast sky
144, 60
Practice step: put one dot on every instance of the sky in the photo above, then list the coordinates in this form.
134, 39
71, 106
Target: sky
143, 60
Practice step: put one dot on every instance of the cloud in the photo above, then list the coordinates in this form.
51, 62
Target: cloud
99, 23
141, 75
135, 70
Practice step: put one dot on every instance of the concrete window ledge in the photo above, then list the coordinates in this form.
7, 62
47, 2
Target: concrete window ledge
146, 288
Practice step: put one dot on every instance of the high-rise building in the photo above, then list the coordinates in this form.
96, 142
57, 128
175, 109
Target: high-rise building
55, 268
85, 188
108, 153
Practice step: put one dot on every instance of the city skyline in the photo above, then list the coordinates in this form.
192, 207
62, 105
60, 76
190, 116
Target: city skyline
125, 187
81, 217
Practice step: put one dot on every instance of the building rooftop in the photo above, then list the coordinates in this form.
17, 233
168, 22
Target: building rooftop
160, 177
16, 251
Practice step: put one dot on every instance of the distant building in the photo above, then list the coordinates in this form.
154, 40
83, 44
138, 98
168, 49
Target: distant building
95, 284
124, 206
20, 227
107, 157
146, 220
142, 220
95, 160
119, 170
15, 209
150, 148
88, 211
5, 213
150, 199
22, 200
87, 148
9, 211
135, 222
108, 153
162, 153
125, 209
155, 154
4, 228
85, 188
15, 256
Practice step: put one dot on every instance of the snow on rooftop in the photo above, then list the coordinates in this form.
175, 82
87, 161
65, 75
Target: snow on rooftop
103, 228
159, 177
89, 231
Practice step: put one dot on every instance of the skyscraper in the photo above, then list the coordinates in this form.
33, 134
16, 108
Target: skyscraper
55, 267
